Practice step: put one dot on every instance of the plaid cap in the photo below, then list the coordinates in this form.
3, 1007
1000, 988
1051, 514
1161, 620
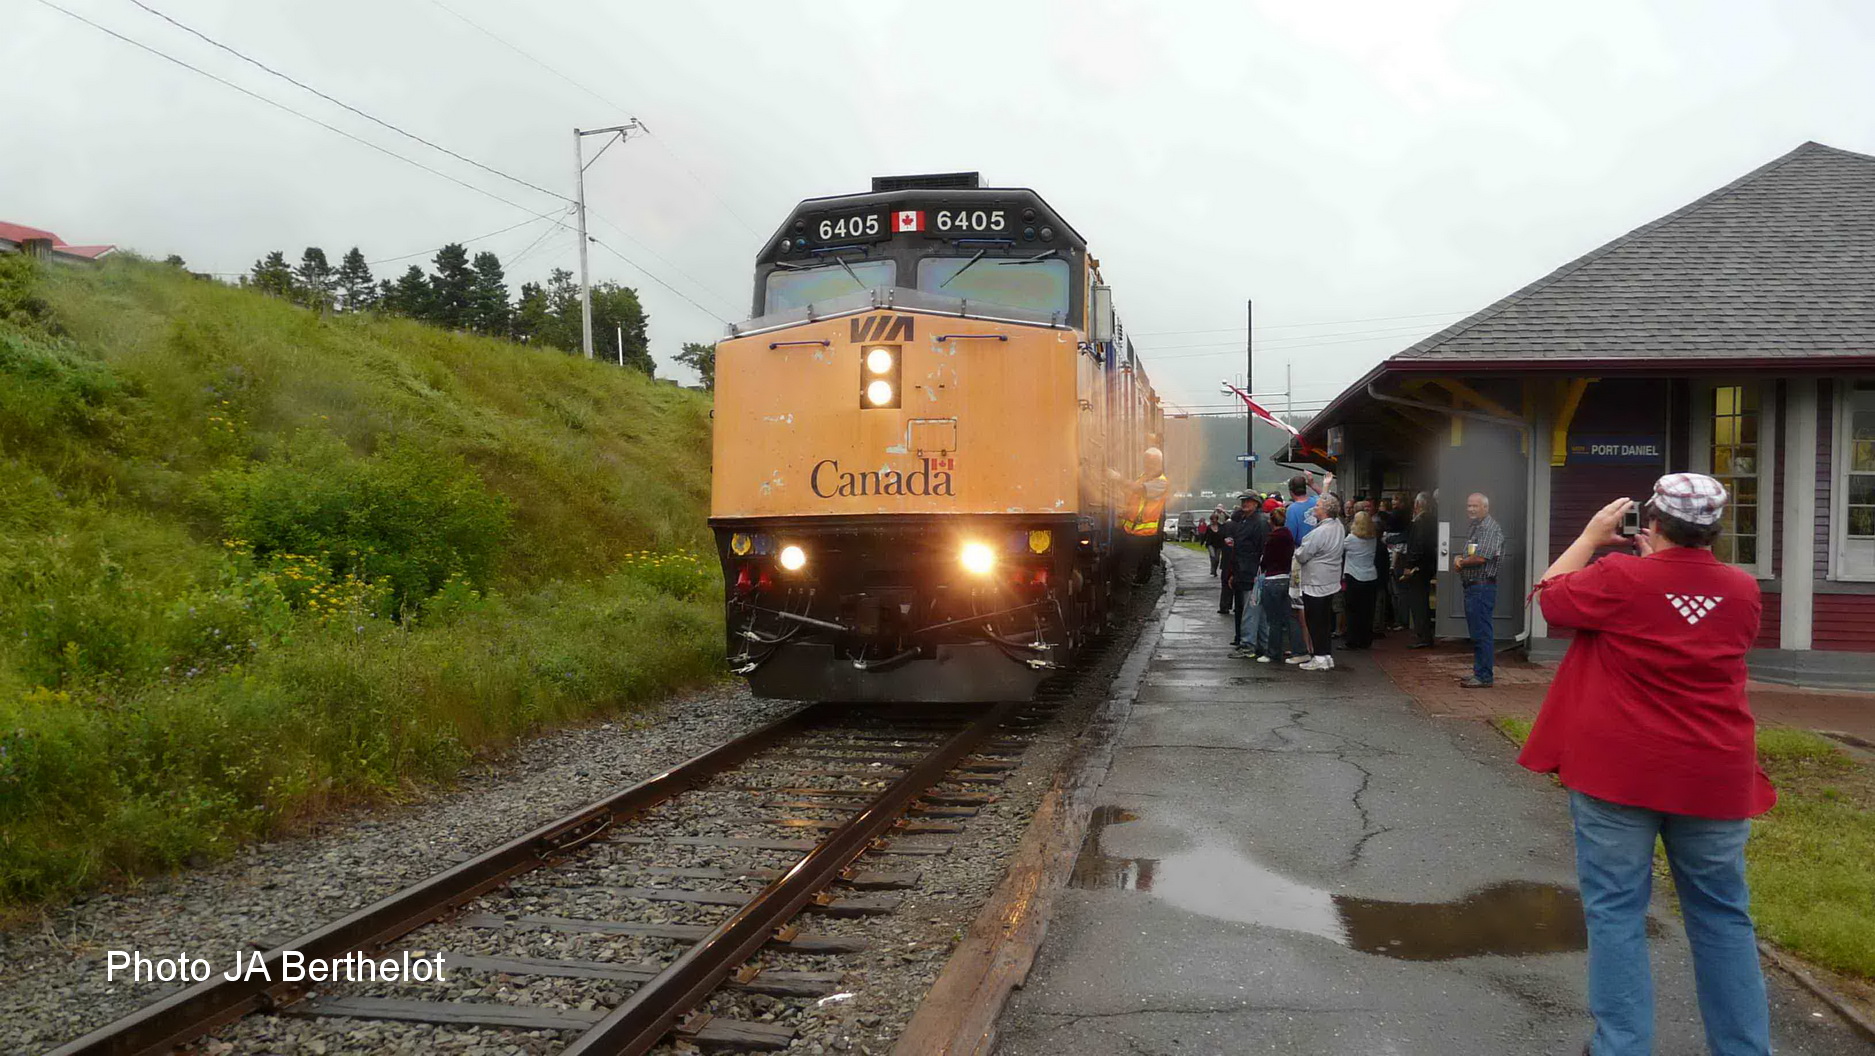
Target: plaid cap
1692, 497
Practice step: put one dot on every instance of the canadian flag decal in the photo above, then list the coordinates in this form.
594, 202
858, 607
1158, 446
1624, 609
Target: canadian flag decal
1693, 607
908, 220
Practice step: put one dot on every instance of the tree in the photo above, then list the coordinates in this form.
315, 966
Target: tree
451, 288
313, 281
357, 291
533, 317
488, 297
272, 276
702, 359
175, 261
616, 311
563, 306
410, 296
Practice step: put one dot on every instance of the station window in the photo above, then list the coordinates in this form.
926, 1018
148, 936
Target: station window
1855, 483
1733, 423
1734, 461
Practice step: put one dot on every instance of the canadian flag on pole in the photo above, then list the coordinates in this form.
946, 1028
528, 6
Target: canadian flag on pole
908, 220
1257, 410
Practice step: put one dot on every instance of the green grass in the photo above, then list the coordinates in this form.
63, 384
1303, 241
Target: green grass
255, 563
1811, 859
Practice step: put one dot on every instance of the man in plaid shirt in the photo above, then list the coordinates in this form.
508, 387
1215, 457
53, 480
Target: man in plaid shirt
1477, 572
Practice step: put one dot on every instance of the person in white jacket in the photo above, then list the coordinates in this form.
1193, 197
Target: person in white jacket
1318, 560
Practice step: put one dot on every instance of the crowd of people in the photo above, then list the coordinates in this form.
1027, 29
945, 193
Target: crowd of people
1297, 572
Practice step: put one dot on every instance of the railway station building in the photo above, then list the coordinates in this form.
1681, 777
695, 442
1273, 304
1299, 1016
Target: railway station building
1734, 336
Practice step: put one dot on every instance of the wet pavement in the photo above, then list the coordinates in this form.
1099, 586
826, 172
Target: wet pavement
1303, 863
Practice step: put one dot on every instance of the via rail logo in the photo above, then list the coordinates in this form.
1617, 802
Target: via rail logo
880, 328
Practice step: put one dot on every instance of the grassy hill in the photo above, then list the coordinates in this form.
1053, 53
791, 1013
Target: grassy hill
255, 562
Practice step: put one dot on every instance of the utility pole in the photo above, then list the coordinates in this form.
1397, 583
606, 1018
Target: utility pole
621, 346
580, 165
1249, 385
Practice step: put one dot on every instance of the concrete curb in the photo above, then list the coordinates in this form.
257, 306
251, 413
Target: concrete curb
958, 1015
1857, 1019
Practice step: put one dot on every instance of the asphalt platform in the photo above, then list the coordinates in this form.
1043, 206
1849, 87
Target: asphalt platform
1304, 863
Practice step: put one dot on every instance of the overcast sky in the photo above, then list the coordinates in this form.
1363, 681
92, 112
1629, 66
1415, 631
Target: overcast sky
1366, 171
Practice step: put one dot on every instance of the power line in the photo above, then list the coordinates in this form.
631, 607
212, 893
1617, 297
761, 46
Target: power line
341, 103
365, 142
463, 241
608, 248
627, 235
614, 104
542, 237
1291, 326
1238, 351
281, 106
1293, 341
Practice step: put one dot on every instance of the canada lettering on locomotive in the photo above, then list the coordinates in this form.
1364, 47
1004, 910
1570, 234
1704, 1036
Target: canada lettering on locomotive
930, 450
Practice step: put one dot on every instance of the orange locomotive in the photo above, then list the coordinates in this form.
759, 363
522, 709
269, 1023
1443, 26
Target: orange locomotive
926, 441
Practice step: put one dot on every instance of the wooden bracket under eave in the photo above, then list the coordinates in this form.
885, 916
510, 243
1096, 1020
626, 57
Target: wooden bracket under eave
1568, 398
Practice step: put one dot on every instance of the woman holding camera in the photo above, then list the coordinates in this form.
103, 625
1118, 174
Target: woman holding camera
1648, 726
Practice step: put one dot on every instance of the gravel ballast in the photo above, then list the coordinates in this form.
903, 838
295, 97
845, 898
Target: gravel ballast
52, 973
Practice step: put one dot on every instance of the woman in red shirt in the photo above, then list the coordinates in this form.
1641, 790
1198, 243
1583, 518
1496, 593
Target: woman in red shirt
1648, 726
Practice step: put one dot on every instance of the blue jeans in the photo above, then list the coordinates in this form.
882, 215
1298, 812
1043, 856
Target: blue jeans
1250, 623
1480, 602
1614, 864
1275, 606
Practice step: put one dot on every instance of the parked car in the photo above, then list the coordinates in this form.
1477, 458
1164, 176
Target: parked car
1188, 523
1174, 527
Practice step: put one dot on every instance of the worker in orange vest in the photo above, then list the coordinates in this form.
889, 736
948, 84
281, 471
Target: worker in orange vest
1142, 518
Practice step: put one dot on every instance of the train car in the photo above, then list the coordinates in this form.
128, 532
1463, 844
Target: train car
921, 438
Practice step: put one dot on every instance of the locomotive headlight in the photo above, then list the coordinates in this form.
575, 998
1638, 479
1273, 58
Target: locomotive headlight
879, 360
978, 558
793, 558
879, 393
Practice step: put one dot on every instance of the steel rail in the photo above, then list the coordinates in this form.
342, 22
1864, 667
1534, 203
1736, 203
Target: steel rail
643, 1020
187, 1014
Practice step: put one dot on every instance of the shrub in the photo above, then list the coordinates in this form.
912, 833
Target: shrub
405, 517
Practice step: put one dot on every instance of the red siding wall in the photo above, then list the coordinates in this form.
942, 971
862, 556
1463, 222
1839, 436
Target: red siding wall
1770, 514
1825, 439
1771, 624
1845, 623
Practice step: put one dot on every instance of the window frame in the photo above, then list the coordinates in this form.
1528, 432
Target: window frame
1839, 474
1701, 460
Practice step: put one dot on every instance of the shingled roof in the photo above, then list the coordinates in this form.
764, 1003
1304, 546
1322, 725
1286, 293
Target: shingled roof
1779, 264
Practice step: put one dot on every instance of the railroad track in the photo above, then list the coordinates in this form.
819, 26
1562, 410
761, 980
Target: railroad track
699, 872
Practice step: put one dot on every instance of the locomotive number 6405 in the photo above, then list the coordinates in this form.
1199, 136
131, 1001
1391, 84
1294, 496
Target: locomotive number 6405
849, 227
972, 220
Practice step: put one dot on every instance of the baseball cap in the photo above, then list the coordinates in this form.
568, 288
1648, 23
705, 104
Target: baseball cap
1692, 497
1270, 504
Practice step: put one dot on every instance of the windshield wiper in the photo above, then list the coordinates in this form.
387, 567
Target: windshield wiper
809, 265
1036, 259
849, 270
966, 267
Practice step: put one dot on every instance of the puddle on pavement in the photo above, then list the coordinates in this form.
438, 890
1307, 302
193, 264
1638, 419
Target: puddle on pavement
1214, 879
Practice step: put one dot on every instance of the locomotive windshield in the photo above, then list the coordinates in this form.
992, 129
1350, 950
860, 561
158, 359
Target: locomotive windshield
800, 288
1041, 284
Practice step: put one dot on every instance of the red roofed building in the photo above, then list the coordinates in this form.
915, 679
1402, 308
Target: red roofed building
18, 238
